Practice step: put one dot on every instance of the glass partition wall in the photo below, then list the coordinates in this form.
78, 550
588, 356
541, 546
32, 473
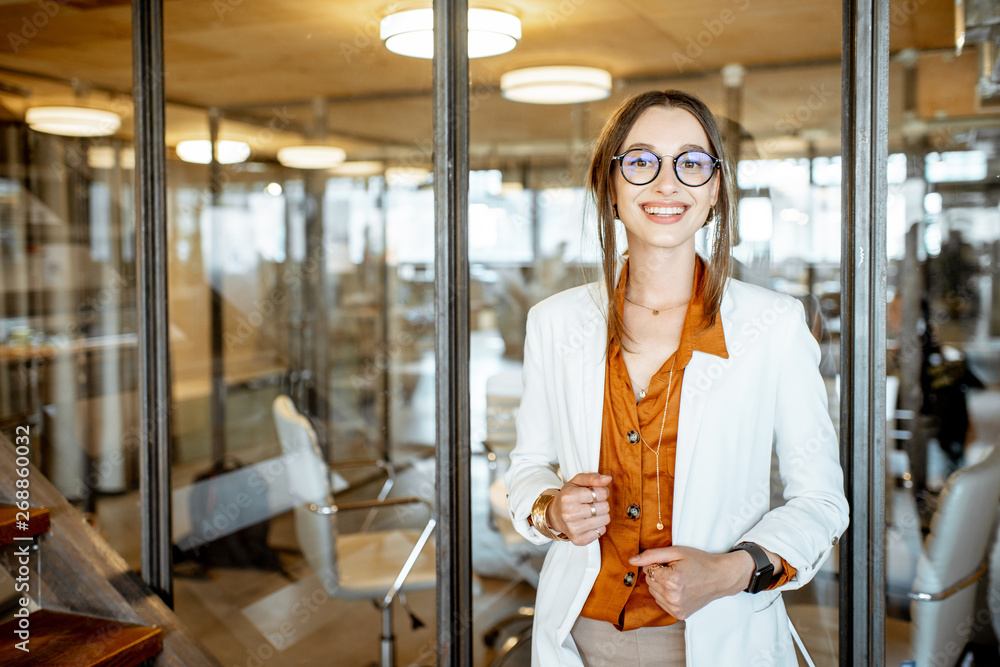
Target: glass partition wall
780, 105
311, 345
943, 231
302, 295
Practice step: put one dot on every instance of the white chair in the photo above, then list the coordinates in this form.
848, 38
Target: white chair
953, 561
375, 565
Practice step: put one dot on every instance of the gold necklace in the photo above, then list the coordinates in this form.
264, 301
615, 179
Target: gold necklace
656, 452
655, 311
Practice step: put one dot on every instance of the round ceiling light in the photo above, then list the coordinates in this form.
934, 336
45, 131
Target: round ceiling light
411, 32
556, 85
199, 151
311, 157
73, 121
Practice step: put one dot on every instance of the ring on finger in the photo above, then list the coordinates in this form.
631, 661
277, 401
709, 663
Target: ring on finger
594, 494
593, 509
651, 570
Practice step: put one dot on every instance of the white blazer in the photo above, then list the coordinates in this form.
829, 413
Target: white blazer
732, 410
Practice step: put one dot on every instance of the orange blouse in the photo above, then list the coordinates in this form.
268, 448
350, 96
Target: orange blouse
620, 595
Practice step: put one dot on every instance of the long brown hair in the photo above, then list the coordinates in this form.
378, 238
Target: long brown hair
600, 185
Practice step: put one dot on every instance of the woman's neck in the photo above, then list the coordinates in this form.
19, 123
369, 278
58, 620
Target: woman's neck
660, 277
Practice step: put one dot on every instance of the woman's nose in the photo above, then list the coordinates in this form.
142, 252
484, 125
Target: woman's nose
666, 180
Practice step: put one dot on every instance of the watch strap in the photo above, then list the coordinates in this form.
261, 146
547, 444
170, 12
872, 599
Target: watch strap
763, 569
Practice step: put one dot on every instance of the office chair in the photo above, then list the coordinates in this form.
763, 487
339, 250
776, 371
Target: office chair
953, 560
373, 565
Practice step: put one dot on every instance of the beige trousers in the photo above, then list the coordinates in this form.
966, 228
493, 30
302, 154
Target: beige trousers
602, 645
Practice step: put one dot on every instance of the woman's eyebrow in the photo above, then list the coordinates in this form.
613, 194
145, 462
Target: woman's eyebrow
685, 147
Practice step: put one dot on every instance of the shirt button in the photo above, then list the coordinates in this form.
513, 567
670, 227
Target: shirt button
633, 437
629, 579
633, 511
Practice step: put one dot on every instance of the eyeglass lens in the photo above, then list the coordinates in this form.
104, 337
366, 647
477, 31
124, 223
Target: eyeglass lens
693, 168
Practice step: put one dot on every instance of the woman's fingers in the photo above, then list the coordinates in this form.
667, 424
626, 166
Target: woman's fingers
581, 510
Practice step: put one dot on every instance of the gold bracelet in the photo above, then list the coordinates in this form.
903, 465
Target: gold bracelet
540, 522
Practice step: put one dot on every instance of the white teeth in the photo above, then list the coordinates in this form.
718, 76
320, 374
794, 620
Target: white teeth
660, 210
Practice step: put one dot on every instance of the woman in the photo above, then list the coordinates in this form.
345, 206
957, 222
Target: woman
658, 394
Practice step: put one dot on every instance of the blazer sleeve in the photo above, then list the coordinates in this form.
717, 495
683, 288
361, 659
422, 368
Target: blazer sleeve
805, 529
534, 459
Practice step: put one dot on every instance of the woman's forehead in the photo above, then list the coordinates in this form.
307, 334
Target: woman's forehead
666, 128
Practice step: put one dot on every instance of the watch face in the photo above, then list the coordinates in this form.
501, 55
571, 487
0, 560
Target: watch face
761, 579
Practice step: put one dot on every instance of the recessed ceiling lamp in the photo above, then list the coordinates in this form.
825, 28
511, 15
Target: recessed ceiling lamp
556, 85
199, 151
73, 121
311, 157
411, 32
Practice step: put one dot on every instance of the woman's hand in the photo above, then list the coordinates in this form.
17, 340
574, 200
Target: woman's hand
581, 510
689, 578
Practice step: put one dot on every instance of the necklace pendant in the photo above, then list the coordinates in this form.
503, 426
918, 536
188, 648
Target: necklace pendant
656, 312
659, 525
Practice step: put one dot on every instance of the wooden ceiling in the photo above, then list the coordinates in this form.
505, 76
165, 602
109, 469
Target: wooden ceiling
264, 62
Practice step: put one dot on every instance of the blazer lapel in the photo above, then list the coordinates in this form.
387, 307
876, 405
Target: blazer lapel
693, 401
695, 394
591, 332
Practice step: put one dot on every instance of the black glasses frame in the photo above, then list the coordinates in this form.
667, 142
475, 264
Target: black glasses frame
621, 166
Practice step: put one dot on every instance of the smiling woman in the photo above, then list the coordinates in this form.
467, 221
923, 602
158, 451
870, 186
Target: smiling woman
685, 513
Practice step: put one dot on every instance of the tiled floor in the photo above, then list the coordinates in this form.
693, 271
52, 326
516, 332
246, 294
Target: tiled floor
251, 617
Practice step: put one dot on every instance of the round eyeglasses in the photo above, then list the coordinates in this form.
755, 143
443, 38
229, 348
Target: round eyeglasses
693, 168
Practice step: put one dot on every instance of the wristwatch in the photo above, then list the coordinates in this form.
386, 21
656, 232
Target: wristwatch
763, 569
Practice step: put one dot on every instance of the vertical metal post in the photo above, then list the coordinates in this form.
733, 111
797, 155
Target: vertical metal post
863, 292
451, 283
732, 83
383, 401
217, 281
151, 258
315, 309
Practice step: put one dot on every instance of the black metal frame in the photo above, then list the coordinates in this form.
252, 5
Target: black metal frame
151, 277
863, 293
451, 332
